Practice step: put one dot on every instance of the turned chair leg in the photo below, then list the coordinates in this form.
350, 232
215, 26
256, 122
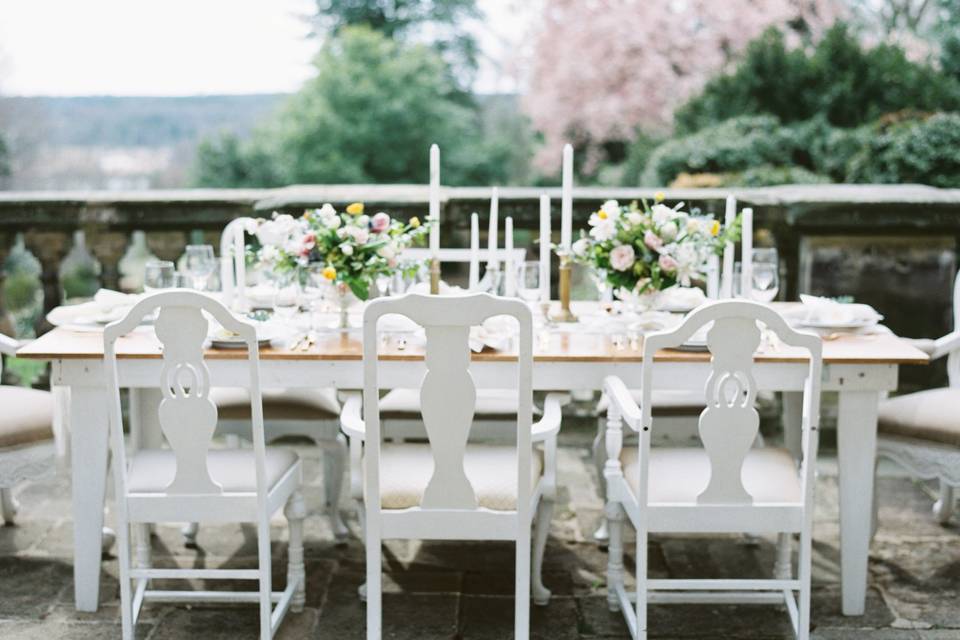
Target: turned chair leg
614, 519
189, 533
601, 535
541, 529
943, 508
8, 506
335, 457
296, 511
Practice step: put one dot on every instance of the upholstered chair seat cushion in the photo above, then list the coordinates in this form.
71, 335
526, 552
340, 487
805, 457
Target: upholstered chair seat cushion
491, 403
27, 416
152, 470
233, 403
679, 475
932, 415
405, 471
666, 402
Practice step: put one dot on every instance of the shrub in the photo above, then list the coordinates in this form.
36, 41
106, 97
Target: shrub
769, 175
924, 150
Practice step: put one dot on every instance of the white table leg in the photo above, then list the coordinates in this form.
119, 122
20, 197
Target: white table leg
88, 447
857, 449
792, 418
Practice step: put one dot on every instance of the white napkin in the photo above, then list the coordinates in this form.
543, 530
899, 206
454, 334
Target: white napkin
423, 288
495, 332
826, 311
681, 299
107, 306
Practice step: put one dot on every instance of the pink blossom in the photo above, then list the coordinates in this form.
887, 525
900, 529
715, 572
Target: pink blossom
380, 222
667, 263
622, 257
652, 240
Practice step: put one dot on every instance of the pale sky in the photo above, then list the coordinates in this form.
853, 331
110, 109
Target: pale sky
186, 47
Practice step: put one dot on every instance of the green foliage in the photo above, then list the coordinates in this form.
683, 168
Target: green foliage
923, 151
4, 158
839, 80
768, 175
369, 116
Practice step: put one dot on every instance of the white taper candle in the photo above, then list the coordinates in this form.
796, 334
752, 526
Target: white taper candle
509, 279
545, 248
492, 237
434, 213
746, 253
726, 282
240, 260
474, 250
566, 199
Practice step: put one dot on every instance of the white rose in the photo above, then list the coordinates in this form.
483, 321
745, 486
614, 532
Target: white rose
668, 231
693, 226
622, 257
346, 249
580, 247
611, 208
661, 214
387, 251
326, 210
635, 218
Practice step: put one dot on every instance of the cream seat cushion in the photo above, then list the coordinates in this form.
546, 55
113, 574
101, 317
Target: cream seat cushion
932, 415
233, 403
679, 475
27, 416
400, 403
405, 470
152, 470
665, 402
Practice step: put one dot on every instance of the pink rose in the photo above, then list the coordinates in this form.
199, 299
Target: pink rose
380, 222
667, 263
308, 243
622, 257
652, 240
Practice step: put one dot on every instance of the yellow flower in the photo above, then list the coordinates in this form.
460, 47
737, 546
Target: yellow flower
602, 214
414, 222
659, 196
355, 209
715, 228
329, 273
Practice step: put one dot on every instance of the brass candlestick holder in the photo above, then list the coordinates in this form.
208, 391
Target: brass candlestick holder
565, 315
435, 276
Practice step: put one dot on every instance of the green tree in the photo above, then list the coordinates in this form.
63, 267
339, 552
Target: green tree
228, 161
4, 158
839, 80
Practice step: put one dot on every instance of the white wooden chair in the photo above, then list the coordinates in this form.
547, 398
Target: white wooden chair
190, 482
307, 413
727, 486
27, 447
450, 489
921, 431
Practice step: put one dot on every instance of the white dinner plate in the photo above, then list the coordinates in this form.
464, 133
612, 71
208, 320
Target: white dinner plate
222, 339
856, 324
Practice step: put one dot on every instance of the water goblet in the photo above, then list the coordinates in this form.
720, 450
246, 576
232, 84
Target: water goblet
159, 275
199, 263
765, 282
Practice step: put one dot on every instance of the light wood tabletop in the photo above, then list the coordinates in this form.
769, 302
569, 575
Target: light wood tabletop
560, 344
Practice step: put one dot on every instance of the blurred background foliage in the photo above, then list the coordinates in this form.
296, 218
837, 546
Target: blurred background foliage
873, 98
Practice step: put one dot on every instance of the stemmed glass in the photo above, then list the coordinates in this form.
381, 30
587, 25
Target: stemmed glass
199, 263
765, 274
158, 275
286, 296
599, 277
314, 290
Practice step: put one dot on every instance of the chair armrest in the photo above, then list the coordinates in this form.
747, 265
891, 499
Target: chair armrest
351, 421
946, 345
549, 423
9, 346
621, 398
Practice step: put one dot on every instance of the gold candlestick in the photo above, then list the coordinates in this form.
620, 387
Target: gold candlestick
435, 276
565, 315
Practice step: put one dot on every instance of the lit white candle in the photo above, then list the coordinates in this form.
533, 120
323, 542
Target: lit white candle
492, 239
545, 248
509, 282
566, 199
474, 250
434, 213
726, 283
746, 249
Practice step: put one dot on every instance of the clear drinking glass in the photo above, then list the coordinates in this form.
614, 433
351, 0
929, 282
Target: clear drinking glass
528, 281
599, 277
765, 255
199, 263
315, 286
158, 275
286, 296
765, 282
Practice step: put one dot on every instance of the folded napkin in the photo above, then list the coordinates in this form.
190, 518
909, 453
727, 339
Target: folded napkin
423, 288
495, 333
107, 306
681, 299
831, 314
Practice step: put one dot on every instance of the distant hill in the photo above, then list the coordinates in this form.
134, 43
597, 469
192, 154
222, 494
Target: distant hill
112, 121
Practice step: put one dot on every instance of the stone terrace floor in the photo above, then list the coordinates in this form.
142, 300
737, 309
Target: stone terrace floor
465, 590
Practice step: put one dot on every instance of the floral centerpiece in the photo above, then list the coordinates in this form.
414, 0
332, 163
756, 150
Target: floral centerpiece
641, 250
353, 247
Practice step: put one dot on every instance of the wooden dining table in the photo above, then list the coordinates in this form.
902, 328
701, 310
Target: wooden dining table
859, 368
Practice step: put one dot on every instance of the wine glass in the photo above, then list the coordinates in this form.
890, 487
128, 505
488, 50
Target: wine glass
599, 277
765, 282
765, 255
159, 274
314, 290
199, 263
286, 296
528, 281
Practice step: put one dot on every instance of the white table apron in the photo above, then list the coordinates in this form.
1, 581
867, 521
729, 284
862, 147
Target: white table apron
859, 387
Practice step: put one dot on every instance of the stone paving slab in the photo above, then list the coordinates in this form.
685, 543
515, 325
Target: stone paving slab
465, 590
